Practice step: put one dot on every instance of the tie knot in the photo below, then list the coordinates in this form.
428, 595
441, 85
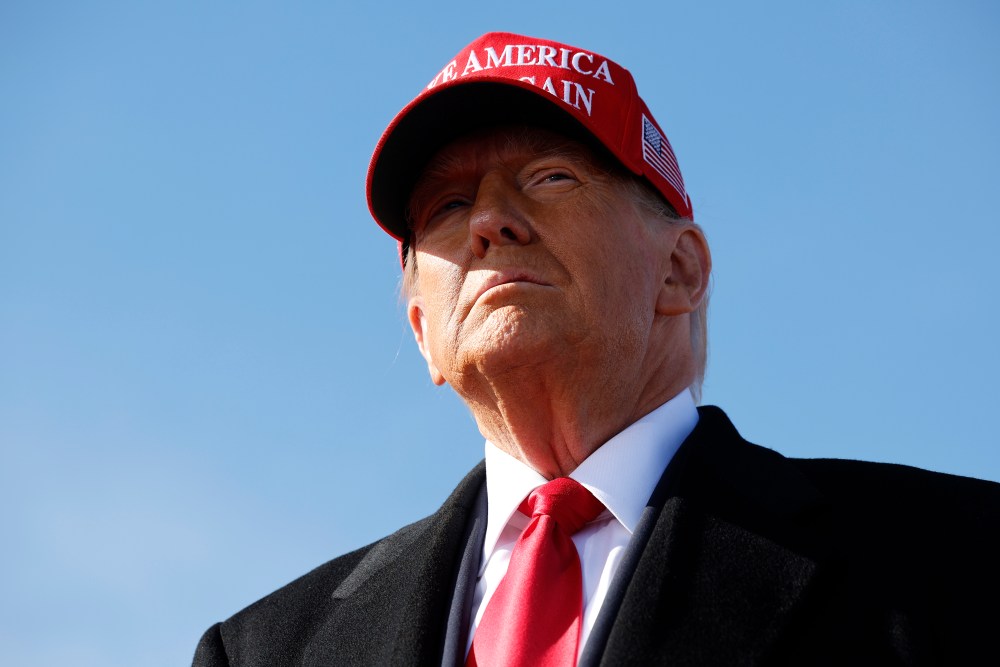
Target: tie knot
565, 500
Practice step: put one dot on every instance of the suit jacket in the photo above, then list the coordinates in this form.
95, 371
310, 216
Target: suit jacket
743, 557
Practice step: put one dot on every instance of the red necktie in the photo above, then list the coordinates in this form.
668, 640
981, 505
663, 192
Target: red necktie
535, 614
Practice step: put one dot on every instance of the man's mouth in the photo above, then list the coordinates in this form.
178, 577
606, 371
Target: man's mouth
507, 277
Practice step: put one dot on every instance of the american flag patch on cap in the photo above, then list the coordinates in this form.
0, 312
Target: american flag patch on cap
656, 150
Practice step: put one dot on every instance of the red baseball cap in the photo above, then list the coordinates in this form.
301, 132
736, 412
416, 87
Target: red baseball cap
503, 78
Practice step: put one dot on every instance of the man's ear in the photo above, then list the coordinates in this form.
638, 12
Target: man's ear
418, 322
690, 266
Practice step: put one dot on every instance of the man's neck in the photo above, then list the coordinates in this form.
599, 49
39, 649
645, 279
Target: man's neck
554, 427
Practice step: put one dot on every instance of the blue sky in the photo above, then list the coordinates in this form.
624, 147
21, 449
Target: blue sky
203, 366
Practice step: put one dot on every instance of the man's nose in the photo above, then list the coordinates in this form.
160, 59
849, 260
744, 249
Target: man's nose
496, 218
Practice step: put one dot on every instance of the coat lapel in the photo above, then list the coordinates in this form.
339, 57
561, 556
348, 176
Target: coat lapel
725, 567
393, 608
727, 562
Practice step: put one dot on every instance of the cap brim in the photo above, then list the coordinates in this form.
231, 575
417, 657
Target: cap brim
435, 120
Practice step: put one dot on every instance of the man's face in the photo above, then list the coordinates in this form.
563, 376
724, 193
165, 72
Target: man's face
530, 252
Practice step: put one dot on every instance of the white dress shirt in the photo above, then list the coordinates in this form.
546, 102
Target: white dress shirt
622, 474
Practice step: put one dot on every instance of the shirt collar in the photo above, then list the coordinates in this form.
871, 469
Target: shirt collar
622, 473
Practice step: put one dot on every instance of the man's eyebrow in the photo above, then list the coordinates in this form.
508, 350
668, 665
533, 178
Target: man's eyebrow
434, 176
563, 153
444, 168
451, 166
544, 148
438, 169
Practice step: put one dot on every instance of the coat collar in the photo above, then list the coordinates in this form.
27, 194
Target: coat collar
392, 609
728, 558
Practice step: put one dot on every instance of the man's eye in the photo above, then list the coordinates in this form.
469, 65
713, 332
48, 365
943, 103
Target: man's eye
445, 207
449, 205
552, 176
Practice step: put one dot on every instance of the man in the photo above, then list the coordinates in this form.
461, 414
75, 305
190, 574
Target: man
556, 280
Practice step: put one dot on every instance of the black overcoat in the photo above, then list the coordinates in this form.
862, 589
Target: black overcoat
743, 557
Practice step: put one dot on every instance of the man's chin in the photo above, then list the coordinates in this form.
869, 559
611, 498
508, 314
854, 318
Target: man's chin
514, 345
